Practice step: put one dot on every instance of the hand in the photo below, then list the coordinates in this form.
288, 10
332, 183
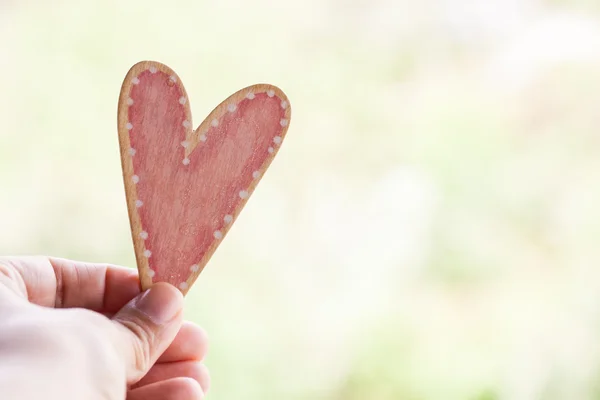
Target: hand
71, 330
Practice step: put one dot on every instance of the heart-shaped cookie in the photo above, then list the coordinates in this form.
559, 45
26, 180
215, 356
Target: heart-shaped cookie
185, 187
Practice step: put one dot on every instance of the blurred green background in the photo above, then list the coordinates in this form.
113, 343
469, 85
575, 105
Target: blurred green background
430, 228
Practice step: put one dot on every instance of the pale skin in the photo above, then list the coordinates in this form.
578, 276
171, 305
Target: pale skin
71, 330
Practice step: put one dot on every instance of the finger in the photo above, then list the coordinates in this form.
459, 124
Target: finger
187, 369
173, 389
98, 287
146, 327
56, 282
190, 344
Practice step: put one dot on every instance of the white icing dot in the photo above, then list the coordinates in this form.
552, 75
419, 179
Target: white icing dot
151, 273
129, 126
173, 79
152, 70
283, 122
144, 235
131, 151
218, 235
284, 104
277, 139
129, 101
203, 137
182, 100
250, 96
183, 286
139, 203
270, 150
135, 179
243, 194
255, 174
228, 218
215, 122
147, 253
135, 80
231, 107
194, 268
186, 161
270, 93
186, 124
185, 144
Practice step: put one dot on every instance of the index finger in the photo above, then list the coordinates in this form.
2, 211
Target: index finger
62, 283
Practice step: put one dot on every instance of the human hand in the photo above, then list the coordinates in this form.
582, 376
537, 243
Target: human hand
71, 330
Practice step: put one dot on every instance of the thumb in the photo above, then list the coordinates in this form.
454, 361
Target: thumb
147, 325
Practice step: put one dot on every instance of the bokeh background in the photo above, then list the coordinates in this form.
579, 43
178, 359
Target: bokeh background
430, 228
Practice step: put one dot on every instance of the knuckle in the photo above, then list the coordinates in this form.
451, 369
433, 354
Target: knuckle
142, 343
204, 377
187, 388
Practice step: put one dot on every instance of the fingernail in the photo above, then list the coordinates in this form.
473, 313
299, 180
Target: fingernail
161, 303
